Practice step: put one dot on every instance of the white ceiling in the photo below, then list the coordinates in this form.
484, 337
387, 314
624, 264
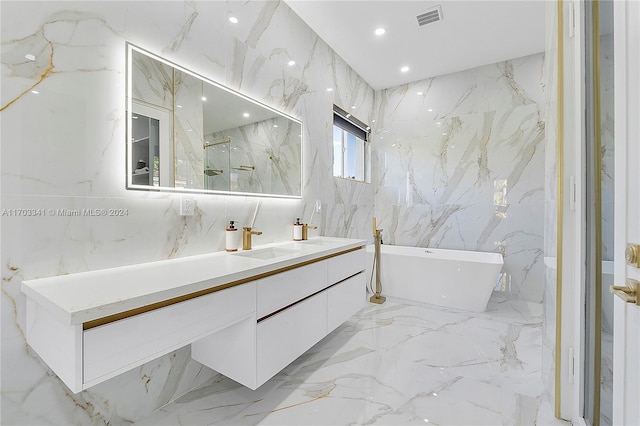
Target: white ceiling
472, 33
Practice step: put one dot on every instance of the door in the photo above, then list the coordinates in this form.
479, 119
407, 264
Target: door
151, 146
626, 332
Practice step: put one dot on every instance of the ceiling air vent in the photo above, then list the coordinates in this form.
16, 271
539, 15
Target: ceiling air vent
430, 16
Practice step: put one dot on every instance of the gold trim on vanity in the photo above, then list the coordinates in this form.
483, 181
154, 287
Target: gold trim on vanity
147, 308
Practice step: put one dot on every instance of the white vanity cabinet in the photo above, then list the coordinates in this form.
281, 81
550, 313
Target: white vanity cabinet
85, 357
116, 347
283, 337
281, 290
295, 310
246, 319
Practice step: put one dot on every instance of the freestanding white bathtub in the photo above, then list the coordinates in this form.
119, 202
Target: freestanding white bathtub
452, 278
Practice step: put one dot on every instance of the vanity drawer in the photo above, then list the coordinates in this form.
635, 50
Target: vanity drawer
345, 265
345, 299
115, 347
283, 337
281, 290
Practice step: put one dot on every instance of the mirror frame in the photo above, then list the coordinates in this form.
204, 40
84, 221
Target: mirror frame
130, 48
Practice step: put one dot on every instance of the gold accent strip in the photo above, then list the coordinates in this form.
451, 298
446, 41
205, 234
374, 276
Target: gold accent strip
147, 308
597, 168
560, 215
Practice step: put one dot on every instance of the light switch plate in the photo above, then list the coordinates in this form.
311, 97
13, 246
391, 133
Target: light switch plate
187, 205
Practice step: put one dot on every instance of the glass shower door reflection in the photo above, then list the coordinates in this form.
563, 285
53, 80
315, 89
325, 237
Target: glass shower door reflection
216, 165
600, 214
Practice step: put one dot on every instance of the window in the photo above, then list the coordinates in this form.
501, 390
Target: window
351, 147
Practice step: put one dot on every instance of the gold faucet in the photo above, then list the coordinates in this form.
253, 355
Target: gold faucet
377, 237
305, 228
246, 237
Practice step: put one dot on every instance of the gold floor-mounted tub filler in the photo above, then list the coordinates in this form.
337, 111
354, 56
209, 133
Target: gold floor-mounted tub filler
377, 237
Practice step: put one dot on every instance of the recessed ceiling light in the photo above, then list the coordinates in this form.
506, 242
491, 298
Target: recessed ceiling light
246, 114
233, 19
353, 107
404, 69
204, 98
420, 93
329, 89
275, 125
380, 31
179, 106
35, 92
430, 109
373, 121
30, 57
291, 63
444, 134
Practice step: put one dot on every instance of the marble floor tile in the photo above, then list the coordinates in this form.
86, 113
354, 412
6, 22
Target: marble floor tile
394, 364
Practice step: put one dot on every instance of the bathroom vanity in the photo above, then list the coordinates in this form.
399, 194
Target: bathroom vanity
246, 315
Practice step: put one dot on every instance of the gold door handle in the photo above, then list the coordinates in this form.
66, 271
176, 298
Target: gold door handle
629, 293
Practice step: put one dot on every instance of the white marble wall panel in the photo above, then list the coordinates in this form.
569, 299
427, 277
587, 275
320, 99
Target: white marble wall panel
189, 131
460, 165
273, 148
152, 80
64, 148
607, 143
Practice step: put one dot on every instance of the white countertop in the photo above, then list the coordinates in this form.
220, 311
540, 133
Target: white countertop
86, 296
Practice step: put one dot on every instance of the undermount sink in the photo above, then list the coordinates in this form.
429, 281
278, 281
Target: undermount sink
266, 253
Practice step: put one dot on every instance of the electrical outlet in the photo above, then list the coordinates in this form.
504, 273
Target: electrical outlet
187, 205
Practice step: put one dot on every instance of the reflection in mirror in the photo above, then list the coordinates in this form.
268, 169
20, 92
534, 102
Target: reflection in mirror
217, 168
150, 141
204, 137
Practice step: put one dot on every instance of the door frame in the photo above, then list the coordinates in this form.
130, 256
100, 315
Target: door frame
626, 367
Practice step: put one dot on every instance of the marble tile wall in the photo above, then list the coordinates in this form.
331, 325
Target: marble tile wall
189, 131
459, 164
607, 141
269, 146
63, 150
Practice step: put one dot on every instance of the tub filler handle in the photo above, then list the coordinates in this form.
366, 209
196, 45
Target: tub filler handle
377, 237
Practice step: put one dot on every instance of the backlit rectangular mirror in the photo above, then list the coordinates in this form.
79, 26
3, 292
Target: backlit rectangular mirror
187, 133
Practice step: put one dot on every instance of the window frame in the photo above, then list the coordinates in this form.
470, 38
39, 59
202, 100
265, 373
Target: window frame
360, 152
